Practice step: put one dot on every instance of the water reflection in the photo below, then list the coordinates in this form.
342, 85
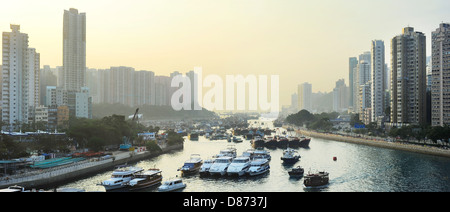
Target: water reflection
357, 168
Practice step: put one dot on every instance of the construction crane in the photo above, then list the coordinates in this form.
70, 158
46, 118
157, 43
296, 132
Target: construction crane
126, 144
135, 115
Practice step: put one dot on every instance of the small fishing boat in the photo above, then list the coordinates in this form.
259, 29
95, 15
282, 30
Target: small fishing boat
283, 141
172, 185
15, 188
237, 139
257, 141
304, 141
193, 136
290, 156
296, 172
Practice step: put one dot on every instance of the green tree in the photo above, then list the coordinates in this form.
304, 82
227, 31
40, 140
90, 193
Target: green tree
152, 146
322, 124
354, 119
393, 132
174, 138
405, 132
50, 143
96, 143
10, 149
439, 133
301, 118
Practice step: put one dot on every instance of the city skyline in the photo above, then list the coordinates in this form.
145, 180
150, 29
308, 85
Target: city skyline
292, 38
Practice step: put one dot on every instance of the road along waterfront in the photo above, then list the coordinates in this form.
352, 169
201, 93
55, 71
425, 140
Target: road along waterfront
356, 168
48, 178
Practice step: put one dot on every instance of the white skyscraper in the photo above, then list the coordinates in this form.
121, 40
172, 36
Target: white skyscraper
74, 50
352, 63
361, 77
20, 75
83, 103
378, 86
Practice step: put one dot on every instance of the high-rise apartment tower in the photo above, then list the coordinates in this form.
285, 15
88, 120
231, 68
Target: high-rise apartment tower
20, 79
440, 83
74, 50
408, 78
378, 86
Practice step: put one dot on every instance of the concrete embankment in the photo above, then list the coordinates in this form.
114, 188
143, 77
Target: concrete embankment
380, 143
51, 178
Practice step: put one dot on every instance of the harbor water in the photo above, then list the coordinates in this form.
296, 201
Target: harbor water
357, 168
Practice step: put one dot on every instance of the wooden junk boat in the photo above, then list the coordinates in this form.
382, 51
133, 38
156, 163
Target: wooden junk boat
147, 179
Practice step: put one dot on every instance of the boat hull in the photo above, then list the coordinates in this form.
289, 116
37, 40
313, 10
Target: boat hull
258, 143
167, 189
260, 172
145, 184
204, 173
116, 187
290, 160
320, 179
190, 171
237, 173
216, 173
305, 142
296, 172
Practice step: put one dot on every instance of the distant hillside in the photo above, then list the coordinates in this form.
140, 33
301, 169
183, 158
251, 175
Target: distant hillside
149, 112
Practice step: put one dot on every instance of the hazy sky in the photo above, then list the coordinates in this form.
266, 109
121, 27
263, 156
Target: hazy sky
301, 41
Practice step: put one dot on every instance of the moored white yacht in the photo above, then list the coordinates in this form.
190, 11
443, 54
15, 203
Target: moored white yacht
220, 166
258, 166
121, 177
238, 166
204, 169
230, 151
260, 153
248, 153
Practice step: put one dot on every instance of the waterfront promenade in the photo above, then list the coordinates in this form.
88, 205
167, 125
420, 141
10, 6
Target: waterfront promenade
46, 178
378, 142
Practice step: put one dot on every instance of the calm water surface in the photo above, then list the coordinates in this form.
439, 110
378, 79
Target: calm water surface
357, 168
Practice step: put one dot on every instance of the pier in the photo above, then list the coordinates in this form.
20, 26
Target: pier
46, 178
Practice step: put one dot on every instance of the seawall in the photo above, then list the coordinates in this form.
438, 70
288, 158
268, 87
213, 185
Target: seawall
57, 176
379, 143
